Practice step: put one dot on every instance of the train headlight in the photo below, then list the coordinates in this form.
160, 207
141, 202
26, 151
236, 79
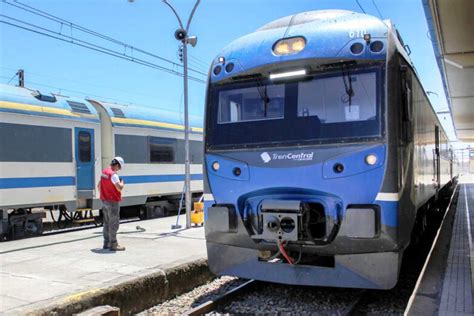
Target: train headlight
298, 44
371, 159
215, 166
288, 46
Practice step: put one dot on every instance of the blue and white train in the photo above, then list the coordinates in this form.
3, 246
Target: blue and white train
53, 149
322, 151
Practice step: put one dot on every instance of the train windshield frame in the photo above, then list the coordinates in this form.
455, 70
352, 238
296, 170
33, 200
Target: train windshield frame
343, 105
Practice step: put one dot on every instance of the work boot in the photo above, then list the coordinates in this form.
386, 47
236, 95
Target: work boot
106, 246
117, 247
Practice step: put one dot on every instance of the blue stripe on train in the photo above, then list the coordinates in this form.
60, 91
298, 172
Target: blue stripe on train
16, 183
11, 183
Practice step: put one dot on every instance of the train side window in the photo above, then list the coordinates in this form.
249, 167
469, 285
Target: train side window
84, 146
162, 150
196, 150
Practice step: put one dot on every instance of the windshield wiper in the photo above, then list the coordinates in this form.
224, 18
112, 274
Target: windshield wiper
263, 95
347, 85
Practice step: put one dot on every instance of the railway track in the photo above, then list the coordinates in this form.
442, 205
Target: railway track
239, 293
211, 305
83, 227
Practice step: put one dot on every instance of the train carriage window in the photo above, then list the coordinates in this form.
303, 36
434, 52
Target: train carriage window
132, 148
251, 104
196, 150
162, 150
327, 98
84, 146
33, 143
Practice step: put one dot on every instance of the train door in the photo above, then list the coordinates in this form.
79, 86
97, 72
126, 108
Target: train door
437, 158
84, 159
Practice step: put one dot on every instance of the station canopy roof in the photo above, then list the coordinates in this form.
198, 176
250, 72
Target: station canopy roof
451, 24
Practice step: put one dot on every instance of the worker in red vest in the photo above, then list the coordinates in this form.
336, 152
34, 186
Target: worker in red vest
110, 187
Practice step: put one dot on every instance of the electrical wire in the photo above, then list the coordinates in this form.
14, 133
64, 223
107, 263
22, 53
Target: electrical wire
377, 8
206, 63
283, 252
360, 6
199, 61
94, 47
72, 25
196, 66
86, 95
61, 79
12, 78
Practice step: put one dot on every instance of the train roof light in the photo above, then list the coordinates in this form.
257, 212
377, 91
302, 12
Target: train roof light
288, 74
288, 46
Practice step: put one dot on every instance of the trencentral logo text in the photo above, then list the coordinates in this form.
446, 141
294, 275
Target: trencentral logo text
266, 157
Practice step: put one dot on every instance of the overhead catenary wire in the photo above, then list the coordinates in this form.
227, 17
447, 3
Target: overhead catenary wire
197, 66
72, 26
16, 74
61, 79
360, 6
198, 61
68, 39
377, 8
87, 95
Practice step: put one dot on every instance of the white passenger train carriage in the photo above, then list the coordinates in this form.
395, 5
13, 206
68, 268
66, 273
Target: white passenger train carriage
53, 149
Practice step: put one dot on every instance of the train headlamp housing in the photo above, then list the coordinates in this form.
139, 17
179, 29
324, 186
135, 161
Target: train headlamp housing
216, 166
371, 159
289, 46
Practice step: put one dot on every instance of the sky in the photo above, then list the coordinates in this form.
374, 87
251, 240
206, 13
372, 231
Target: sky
61, 67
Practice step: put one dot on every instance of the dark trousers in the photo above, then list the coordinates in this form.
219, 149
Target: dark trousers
111, 213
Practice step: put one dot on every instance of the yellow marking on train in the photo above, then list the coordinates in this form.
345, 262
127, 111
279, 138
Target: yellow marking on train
41, 109
44, 109
35, 108
153, 123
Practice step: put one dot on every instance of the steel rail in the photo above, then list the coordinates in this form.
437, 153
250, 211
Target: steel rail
211, 305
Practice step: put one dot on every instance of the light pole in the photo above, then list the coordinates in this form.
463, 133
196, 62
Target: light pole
181, 35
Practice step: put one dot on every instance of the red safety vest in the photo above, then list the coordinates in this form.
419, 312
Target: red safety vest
108, 191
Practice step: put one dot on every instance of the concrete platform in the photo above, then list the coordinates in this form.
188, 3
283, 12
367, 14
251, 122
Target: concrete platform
446, 284
457, 293
63, 273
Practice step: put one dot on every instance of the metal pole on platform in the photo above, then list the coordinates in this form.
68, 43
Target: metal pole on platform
181, 35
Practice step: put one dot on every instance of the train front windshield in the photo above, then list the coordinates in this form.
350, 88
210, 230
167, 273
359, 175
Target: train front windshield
334, 107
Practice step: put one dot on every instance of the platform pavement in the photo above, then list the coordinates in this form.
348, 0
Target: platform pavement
37, 271
458, 284
445, 285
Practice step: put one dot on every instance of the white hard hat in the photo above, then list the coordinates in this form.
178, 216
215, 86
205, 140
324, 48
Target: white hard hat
120, 161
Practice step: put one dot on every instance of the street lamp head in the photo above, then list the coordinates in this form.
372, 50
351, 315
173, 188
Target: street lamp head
192, 40
180, 34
